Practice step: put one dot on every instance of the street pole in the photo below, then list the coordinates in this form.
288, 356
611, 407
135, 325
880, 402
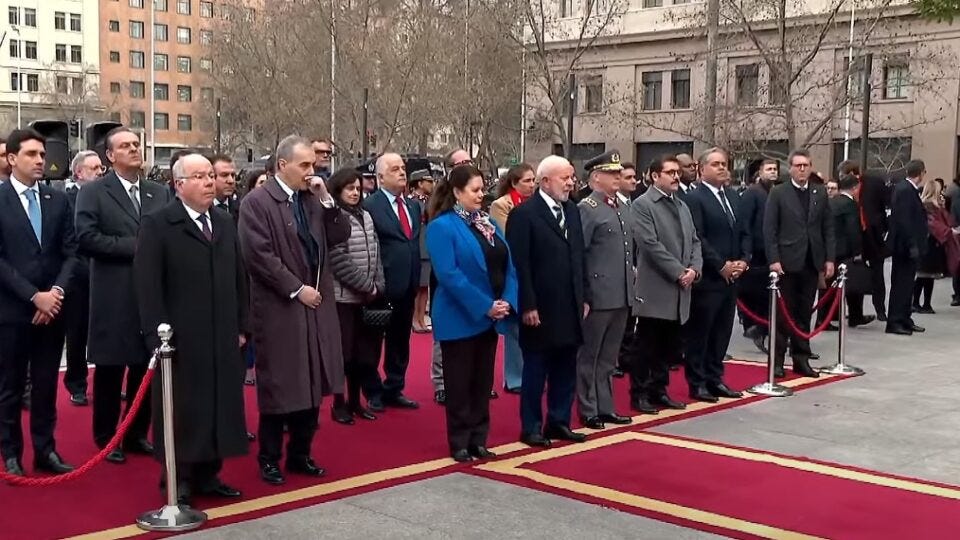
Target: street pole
153, 82
847, 109
571, 110
219, 125
366, 135
333, 80
523, 105
865, 128
710, 95
20, 49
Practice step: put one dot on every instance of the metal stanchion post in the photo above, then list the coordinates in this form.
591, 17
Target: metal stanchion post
841, 368
172, 517
770, 387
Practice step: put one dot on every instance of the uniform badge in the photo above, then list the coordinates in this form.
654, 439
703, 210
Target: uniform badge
590, 202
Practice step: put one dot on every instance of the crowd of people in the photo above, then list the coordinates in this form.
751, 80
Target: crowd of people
310, 284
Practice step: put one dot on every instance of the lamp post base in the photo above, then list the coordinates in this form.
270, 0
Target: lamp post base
842, 369
771, 390
172, 519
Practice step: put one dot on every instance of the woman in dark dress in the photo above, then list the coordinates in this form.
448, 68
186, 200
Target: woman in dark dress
943, 249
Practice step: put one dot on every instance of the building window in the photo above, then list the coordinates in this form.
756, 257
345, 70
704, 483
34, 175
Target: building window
161, 120
115, 117
59, 21
31, 50
13, 18
33, 82
136, 4
75, 25
184, 122
76, 54
206, 95
748, 82
136, 29
184, 64
30, 19
62, 85
161, 62
160, 5
114, 57
114, 88
895, 80
136, 59
14, 82
206, 9
60, 52
652, 90
183, 7
137, 89
184, 94
113, 26
138, 119
14, 48
592, 94
855, 74
183, 35
206, 37
161, 91
206, 64
160, 32
680, 89
652, 3
778, 93
76, 86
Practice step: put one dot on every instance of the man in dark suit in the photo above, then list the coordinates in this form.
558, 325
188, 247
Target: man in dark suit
108, 220
752, 288
907, 243
799, 236
37, 257
546, 241
872, 198
226, 185
85, 168
726, 248
398, 224
846, 217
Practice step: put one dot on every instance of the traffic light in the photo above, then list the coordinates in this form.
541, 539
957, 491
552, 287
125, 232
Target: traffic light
74, 128
97, 138
56, 166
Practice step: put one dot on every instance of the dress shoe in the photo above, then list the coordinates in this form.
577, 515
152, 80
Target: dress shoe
79, 399
116, 456
52, 463
701, 394
305, 466
514, 391
881, 316
251, 437
668, 403
139, 446
564, 433
618, 373
642, 405
918, 329
926, 310
361, 412
778, 372
222, 490
461, 456
270, 472
593, 422
955, 302
814, 356
801, 366
341, 415
375, 405
14, 467
724, 391
615, 418
440, 397
760, 342
401, 402
494, 394
535, 440
865, 320
915, 308
899, 330
481, 452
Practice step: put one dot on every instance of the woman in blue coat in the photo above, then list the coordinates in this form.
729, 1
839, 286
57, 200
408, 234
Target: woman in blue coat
476, 293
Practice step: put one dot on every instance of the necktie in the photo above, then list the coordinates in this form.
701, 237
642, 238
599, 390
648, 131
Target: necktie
404, 220
205, 227
612, 202
726, 209
133, 198
298, 212
33, 212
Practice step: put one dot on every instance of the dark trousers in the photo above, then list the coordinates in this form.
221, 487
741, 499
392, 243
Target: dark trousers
77, 318
923, 287
902, 275
36, 349
956, 287
660, 346
195, 478
361, 352
628, 345
753, 292
396, 355
798, 290
878, 285
468, 379
107, 386
302, 425
555, 369
708, 335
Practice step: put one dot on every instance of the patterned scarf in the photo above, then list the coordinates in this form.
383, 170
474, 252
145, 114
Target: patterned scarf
479, 220
517, 198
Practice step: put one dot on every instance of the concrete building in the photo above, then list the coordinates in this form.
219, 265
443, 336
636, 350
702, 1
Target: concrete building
640, 85
49, 61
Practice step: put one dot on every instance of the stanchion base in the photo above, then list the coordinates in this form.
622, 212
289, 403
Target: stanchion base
172, 519
772, 390
842, 369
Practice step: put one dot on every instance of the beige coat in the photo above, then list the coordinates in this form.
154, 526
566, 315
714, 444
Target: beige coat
500, 210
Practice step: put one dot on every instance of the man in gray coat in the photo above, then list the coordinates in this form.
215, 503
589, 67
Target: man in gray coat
668, 263
609, 287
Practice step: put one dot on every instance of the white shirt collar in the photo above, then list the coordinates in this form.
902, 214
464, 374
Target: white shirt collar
798, 186
550, 201
20, 187
849, 196
914, 181
286, 189
714, 190
194, 215
391, 198
664, 193
71, 183
127, 184
623, 198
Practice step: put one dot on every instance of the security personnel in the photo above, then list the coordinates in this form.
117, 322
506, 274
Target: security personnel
609, 287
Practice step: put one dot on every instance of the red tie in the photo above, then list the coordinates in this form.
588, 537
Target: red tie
404, 220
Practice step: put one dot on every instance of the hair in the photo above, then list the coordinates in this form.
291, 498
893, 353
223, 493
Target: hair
627, 165
288, 144
177, 171
270, 165
548, 164
797, 153
512, 176
706, 153
108, 140
381, 162
931, 193
321, 139
848, 166
915, 168
219, 158
340, 180
656, 166
443, 198
79, 159
847, 182
175, 157
250, 179
448, 159
20, 136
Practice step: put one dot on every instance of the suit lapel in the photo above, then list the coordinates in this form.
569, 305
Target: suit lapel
120, 195
547, 214
12, 200
190, 227
149, 201
463, 228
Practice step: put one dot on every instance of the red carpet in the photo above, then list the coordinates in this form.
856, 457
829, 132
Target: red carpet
112, 496
755, 491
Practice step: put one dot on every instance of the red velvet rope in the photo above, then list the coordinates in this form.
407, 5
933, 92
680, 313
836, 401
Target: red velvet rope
751, 315
796, 329
97, 459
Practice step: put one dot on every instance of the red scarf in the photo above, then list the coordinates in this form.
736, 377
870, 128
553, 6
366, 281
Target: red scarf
516, 197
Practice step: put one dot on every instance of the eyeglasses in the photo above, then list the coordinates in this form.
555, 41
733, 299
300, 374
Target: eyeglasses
671, 173
463, 162
323, 152
199, 176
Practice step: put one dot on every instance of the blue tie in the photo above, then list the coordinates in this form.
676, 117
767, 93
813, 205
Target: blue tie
33, 211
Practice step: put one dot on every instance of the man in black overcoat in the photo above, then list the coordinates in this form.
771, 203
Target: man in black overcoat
908, 243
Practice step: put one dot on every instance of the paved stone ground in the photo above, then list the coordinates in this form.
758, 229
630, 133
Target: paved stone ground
900, 418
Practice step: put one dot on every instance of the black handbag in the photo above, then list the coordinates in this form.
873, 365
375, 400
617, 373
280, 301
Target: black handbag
377, 316
859, 278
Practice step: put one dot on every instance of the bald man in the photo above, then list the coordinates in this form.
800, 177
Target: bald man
688, 174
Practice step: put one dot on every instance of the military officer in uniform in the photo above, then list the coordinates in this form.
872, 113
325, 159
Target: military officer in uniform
609, 287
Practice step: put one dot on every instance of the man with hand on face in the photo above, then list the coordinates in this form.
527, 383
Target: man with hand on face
226, 185
286, 233
189, 275
37, 260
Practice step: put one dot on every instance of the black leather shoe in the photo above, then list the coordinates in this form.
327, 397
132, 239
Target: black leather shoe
116, 456
14, 467
955, 302
375, 405
461, 456
251, 437
642, 405
79, 399
865, 320
52, 463
899, 330
401, 402
440, 397
615, 418
305, 466
222, 490
724, 391
618, 373
665, 401
514, 391
701, 394
778, 372
918, 329
926, 310
564, 433
760, 342
361, 412
881, 316
535, 440
494, 394
270, 472
593, 422
341, 416
140, 446
802, 367
481, 452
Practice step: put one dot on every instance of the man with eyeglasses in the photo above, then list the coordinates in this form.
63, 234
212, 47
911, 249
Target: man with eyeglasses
108, 222
323, 153
225, 183
456, 158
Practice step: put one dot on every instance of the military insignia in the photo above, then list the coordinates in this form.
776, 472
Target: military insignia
615, 158
590, 202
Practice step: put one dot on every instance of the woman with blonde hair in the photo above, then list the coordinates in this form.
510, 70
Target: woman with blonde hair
943, 249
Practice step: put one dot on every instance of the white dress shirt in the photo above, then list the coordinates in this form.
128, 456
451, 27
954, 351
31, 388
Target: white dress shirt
725, 204
392, 199
552, 204
128, 184
21, 190
195, 217
623, 198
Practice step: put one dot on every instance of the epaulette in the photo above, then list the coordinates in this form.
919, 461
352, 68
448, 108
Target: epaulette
590, 202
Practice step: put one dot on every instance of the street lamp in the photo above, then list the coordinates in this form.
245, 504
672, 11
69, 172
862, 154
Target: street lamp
20, 51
